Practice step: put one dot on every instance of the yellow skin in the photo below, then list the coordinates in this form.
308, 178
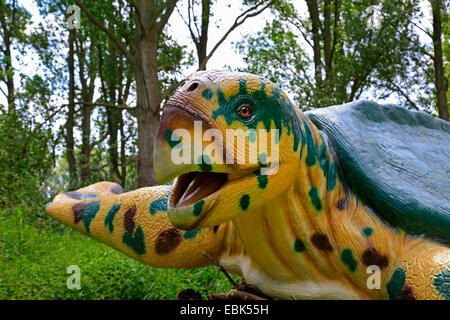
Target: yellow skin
283, 238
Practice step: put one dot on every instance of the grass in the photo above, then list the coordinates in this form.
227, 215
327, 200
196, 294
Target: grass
35, 253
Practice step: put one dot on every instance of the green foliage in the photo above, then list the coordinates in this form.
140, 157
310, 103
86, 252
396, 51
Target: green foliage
35, 257
356, 54
276, 53
17, 19
25, 160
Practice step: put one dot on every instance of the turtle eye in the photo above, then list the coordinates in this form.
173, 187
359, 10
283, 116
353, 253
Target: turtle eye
244, 111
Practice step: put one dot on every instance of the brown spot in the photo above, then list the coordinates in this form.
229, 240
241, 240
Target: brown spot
407, 293
128, 221
167, 241
74, 195
321, 242
215, 228
372, 257
78, 211
117, 189
342, 204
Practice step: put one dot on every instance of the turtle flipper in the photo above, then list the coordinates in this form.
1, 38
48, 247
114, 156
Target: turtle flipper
134, 223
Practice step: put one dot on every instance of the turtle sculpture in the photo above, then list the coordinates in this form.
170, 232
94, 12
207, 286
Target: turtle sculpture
356, 204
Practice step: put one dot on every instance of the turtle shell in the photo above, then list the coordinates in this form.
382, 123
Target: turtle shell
395, 160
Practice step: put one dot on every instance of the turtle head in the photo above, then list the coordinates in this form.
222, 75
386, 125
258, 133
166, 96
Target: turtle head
230, 141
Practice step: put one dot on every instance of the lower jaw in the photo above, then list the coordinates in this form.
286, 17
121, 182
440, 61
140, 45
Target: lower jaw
198, 213
192, 216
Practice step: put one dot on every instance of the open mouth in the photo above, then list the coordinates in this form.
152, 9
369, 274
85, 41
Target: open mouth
193, 186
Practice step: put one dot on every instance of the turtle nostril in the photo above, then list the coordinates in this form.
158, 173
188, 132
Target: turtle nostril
192, 87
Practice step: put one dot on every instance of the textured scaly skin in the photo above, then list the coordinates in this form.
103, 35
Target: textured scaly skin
300, 233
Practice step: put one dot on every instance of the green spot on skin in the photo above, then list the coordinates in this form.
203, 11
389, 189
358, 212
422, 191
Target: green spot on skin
136, 242
89, 213
348, 259
262, 181
191, 234
310, 145
299, 246
204, 165
327, 166
367, 232
198, 207
442, 284
158, 205
314, 196
207, 94
244, 202
221, 100
331, 178
110, 216
396, 284
170, 141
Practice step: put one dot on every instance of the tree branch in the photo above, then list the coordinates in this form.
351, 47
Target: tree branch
422, 29
104, 104
170, 6
237, 22
188, 24
107, 105
3, 92
301, 31
25, 145
108, 32
399, 90
335, 27
100, 140
138, 14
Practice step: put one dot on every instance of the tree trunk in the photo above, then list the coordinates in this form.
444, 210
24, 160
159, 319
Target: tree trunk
328, 55
87, 95
439, 77
8, 59
9, 76
85, 158
315, 21
123, 157
203, 37
70, 152
148, 100
147, 127
113, 119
